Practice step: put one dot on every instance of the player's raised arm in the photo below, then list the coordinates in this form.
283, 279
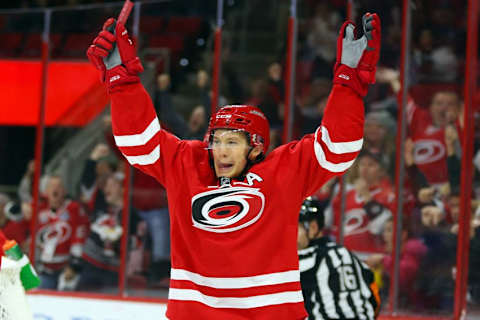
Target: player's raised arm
136, 128
340, 136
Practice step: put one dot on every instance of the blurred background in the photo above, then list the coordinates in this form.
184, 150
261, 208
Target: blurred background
411, 197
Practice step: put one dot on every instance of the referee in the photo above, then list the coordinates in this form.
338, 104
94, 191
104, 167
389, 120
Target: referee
335, 283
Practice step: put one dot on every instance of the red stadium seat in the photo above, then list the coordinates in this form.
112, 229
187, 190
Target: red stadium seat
11, 43
33, 44
152, 25
172, 41
184, 25
76, 45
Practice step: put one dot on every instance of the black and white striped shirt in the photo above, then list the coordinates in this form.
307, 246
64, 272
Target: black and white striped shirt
335, 283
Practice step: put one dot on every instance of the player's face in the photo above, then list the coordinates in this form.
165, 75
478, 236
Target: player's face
229, 150
444, 107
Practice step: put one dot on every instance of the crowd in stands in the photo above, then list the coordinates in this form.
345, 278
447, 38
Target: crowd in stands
432, 157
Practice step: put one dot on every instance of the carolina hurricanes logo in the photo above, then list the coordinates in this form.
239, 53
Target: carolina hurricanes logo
60, 231
428, 151
355, 221
227, 209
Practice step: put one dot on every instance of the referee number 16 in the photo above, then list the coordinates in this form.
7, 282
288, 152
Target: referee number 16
348, 281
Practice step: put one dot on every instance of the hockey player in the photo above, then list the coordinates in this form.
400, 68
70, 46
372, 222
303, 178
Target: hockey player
335, 283
234, 210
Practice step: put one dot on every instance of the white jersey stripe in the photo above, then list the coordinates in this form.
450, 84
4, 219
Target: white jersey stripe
330, 166
139, 139
234, 302
145, 159
339, 147
237, 282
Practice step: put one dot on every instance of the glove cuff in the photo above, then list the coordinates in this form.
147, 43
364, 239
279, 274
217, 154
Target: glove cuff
349, 77
134, 66
118, 76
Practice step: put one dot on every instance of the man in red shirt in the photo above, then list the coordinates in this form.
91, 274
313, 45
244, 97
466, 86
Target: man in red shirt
426, 128
234, 210
62, 229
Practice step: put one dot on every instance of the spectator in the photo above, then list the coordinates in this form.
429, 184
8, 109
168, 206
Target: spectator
15, 221
262, 98
379, 133
101, 254
369, 204
62, 228
25, 187
313, 104
426, 129
321, 39
98, 167
422, 54
474, 260
412, 251
195, 127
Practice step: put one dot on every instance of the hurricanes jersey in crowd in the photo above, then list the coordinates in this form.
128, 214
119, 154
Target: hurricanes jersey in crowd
233, 244
364, 221
61, 234
335, 283
430, 151
102, 246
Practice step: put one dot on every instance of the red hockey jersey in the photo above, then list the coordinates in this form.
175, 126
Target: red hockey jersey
430, 153
60, 234
363, 223
233, 248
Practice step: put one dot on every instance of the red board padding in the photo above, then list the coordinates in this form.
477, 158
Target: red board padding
74, 93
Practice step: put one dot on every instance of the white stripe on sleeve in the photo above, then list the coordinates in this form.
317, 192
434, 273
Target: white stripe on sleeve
139, 139
339, 147
330, 166
145, 159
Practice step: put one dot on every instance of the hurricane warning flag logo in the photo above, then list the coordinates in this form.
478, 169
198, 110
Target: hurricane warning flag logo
227, 209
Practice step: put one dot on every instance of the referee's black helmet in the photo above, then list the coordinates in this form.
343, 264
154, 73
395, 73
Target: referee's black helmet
312, 209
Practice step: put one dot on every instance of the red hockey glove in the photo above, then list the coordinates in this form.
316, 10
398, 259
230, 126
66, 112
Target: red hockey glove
357, 58
114, 55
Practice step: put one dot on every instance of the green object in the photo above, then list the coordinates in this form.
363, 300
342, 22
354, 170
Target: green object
28, 276
14, 253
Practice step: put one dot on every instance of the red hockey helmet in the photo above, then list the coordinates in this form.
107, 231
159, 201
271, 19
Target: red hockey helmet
245, 118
